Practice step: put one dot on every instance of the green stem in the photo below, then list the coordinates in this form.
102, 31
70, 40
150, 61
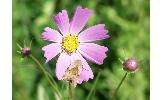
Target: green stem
95, 83
70, 92
119, 85
47, 75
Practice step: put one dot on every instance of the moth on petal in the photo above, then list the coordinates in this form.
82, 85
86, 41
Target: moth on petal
72, 74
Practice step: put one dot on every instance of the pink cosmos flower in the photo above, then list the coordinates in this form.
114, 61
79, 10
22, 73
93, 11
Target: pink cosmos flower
71, 43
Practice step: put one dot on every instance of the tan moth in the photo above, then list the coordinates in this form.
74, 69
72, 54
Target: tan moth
73, 72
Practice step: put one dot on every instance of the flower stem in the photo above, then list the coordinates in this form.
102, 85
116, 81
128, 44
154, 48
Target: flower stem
70, 92
47, 75
119, 85
93, 87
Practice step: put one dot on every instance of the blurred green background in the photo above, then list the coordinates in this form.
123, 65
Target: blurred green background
128, 22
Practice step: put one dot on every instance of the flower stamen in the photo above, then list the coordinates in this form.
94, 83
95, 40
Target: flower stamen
70, 43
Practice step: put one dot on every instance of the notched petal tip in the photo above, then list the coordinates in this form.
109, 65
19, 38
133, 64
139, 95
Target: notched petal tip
93, 52
94, 33
79, 19
62, 22
51, 50
85, 11
47, 28
59, 13
50, 34
104, 28
86, 80
44, 50
81, 8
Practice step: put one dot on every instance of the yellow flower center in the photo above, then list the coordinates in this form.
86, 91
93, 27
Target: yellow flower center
70, 43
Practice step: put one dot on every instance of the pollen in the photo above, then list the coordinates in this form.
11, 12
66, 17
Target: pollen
70, 43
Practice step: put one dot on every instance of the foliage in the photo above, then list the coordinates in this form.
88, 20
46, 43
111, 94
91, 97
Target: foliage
128, 22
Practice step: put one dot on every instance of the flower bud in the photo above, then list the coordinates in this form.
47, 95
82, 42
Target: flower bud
26, 51
130, 64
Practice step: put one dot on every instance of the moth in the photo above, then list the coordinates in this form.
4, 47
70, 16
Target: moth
72, 74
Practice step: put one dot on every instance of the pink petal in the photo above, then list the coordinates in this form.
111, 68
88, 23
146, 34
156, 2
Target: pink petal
62, 64
97, 32
86, 72
62, 22
51, 50
51, 35
79, 19
93, 52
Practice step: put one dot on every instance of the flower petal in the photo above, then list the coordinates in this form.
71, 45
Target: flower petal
51, 51
93, 52
51, 35
86, 72
97, 32
62, 64
79, 19
62, 22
